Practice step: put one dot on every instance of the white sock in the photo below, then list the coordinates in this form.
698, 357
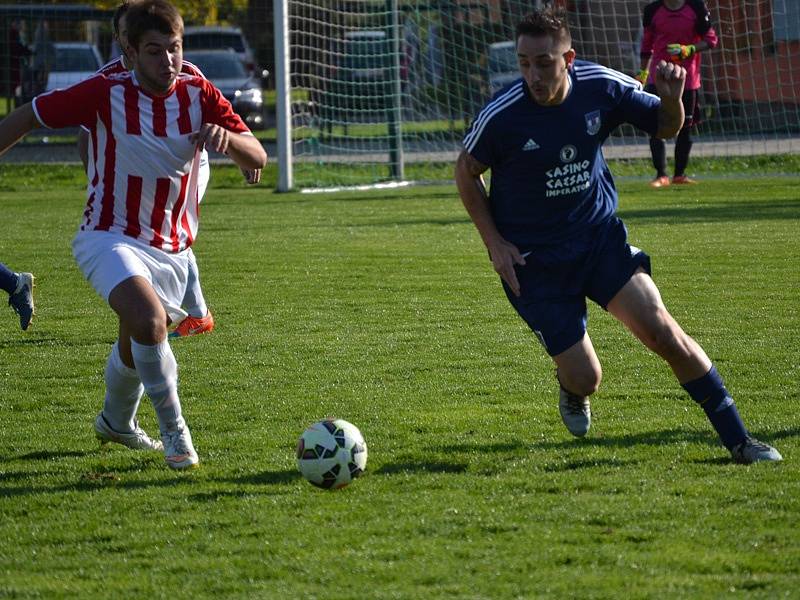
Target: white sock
193, 300
158, 371
124, 389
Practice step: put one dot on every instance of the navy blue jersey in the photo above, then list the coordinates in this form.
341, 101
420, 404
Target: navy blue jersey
550, 182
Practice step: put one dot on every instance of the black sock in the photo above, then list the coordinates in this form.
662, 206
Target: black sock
658, 150
683, 145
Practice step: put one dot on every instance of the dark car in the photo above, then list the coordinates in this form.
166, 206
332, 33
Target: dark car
360, 85
224, 69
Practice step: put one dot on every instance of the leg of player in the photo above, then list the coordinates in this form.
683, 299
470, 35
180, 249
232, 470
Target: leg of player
147, 350
639, 307
658, 151
200, 319
579, 374
683, 143
683, 146
20, 293
117, 421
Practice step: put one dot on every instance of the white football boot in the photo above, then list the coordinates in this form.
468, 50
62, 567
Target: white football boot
575, 412
751, 450
136, 439
178, 448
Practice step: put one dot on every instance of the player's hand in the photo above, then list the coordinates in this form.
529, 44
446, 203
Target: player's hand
669, 81
504, 256
252, 176
212, 137
678, 52
641, 76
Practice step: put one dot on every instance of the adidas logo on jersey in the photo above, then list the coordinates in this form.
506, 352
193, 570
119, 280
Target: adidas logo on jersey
530, 145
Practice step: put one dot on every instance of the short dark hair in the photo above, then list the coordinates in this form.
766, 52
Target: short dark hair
118, 14
152, 15
550, 21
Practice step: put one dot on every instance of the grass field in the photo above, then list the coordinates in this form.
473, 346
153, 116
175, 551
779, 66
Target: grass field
381, 308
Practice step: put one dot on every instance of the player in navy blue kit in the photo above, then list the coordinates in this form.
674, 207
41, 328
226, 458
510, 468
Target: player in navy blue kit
549, 222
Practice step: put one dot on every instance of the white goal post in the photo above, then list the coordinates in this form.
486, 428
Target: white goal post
374, 90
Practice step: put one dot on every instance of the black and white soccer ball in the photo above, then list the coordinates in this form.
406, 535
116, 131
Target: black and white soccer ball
331, 453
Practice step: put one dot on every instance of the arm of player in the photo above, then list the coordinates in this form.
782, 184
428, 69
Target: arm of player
504, 255
669, 81
14, 127
245, 150
251, 176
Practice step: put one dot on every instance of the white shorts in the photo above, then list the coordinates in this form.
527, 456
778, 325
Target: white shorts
107, 259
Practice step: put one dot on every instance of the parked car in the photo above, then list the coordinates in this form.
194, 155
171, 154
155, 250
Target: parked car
361, 79
220, 38
224, 69
503, 67
72, 62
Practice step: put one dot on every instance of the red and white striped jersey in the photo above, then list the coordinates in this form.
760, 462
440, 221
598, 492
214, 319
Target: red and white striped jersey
118, 66
143, 170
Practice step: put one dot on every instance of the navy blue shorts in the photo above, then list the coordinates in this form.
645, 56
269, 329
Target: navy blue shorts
556, 280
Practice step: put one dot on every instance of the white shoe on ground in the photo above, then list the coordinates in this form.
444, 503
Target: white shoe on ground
136, 439
751, 450
178, 448
575, 412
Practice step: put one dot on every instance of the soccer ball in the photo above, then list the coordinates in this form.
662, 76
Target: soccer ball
331, 453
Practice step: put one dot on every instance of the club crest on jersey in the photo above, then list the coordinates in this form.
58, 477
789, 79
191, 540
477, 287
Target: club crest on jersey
568, 153
592, 122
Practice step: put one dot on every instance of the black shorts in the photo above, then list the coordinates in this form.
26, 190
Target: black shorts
691, 105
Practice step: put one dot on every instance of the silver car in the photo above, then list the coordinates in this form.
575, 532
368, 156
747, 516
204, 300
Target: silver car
72, 62
224, 69
220, 38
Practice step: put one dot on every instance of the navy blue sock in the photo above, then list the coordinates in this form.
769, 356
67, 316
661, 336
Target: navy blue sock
8, 279
710, 393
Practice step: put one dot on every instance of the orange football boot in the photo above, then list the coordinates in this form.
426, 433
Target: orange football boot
660, 182
194, 326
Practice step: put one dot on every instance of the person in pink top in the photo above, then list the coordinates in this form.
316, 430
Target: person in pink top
677, 31
150, 126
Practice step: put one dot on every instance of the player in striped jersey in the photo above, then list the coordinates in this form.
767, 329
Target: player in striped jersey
549, 223
148, 128
199, 318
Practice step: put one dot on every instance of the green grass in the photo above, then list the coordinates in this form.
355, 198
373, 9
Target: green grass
381, 308
34, 177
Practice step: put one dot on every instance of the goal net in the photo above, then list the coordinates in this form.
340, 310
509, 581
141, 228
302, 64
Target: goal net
384, 91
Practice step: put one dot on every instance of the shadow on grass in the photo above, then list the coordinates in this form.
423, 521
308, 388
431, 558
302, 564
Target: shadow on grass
658, 438
266, 478
661, 438
48, 455
589, 463
60, 343
422, 467
405, 223
30, 341
733, 211
95, 481
101, 477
